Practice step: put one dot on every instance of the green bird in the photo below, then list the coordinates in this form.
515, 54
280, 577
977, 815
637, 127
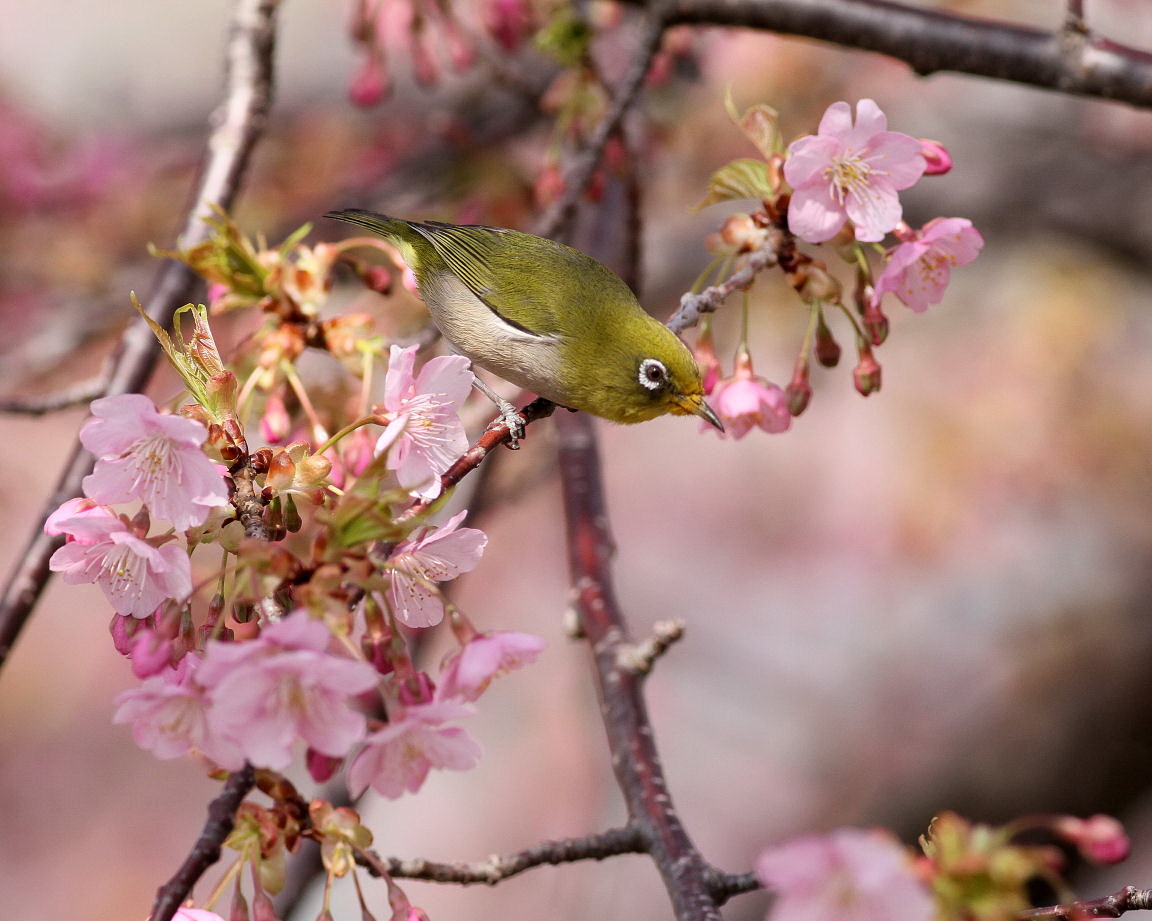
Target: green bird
547, 318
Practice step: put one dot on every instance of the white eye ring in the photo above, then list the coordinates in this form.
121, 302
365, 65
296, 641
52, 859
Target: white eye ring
653, 375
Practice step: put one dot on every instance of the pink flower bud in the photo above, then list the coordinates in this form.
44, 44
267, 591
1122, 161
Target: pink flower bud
798, 391
321, 767
275, 423
1099, 838
866, 375
371, 84
827, 349
936, 157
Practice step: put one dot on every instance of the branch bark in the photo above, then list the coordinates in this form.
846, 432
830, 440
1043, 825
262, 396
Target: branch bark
635, 760
238, 123
1072, 60
206, 850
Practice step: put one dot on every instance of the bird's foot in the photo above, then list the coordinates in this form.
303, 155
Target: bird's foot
513, 421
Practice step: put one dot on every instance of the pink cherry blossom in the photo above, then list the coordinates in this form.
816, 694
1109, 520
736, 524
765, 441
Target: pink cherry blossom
850, 172
152, 457
471, 669
136, 574
196, 914
920, 267
399, 756
744, 401
284, 685
849, 874
169, 717
435, 555
424, 435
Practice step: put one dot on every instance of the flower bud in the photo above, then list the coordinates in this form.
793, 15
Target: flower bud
936, 157
818, 285
372, 84
321, 767
281, 471
798, 391
275, 422
1099, 838
866, 375
827, 349
239, 908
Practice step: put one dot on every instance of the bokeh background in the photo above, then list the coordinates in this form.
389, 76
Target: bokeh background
938, 597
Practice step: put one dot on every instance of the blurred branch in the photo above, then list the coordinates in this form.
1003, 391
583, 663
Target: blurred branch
1071, 60
77, 394
580, 173
1111, 906
237, 125
206, 850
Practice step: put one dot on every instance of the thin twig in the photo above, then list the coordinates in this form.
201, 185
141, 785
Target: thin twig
500, 867
693, 306
206, 850
577, 177
238, 124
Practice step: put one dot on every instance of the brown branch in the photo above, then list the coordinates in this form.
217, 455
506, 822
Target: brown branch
500, 867
206, 850
1071, 61
238, 124
1111, 906
635, 760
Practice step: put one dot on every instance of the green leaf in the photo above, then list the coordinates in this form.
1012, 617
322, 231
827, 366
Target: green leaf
740, 179
760, 124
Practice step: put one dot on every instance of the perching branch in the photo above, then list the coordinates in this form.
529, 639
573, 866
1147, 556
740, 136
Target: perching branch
238, 124
495, 435
1072, 60
206, 850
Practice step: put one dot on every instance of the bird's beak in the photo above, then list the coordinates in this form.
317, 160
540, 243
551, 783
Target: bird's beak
693, 404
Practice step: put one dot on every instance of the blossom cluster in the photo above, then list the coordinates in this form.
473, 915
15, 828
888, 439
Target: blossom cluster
845, 183
292, 663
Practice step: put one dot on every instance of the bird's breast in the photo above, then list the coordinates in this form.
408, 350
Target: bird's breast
531, 361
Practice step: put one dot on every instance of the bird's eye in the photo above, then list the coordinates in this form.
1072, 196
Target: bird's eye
653, 375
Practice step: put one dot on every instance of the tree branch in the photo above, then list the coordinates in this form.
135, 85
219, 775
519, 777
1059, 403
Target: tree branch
500, 867
635, 760
238, 124
206, 850
1072, 60
1111, 906
580, 173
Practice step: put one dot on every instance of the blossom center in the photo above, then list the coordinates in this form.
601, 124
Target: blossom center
849, 174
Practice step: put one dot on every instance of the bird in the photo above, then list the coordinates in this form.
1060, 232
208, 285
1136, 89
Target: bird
546, 317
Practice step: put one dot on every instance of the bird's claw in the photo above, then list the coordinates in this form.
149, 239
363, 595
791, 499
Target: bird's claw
514, 422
